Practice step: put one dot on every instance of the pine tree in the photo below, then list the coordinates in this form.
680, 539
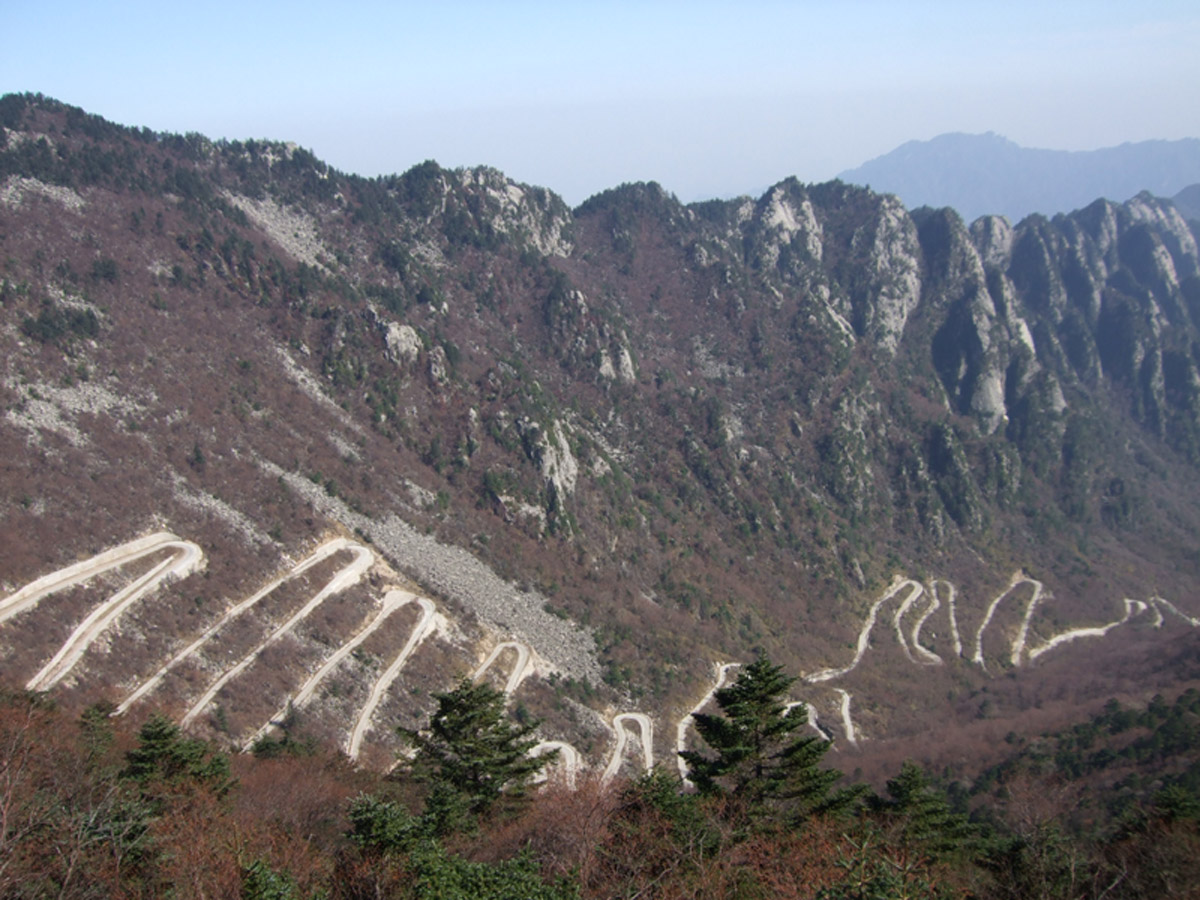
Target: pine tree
926, 819
760, 756
164, 753
471, 755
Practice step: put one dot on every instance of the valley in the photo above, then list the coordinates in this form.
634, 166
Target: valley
382, 434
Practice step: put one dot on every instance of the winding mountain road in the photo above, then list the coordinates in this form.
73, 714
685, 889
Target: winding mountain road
1133, 609
323, 552
620, 726
864, 636
1019, 651
813, 724
810, 717
424, 627
344, 578
916, 592
928, 657
568, 762
951, 614
1018, 645
1158, 604
847, 721
392, 601
185, 558
33, 593
521, 667
722, 670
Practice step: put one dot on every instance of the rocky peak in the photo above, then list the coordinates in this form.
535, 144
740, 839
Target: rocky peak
527, 214
697, 424
993, 239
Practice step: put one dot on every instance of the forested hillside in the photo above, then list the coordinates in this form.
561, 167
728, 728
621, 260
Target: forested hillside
286, 453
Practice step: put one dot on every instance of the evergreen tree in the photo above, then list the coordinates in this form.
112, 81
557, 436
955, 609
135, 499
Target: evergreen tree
96, 735
925, 817
163, 753
761, 757
471, 755
441, 875
261, 882
379, 826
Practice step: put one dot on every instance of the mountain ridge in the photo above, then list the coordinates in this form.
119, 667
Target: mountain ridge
981, 174
695, 432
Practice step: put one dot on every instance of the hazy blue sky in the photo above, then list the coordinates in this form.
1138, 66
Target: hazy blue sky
710, 99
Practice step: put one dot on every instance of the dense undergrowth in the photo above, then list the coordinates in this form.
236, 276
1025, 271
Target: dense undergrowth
89, 807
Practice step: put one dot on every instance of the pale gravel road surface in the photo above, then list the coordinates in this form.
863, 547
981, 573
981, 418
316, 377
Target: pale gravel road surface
321, 553
185, 559
457, 574
33, 593
393, 600
521, 668
568, 761
620, 725
425, 626
344, 578
722, 670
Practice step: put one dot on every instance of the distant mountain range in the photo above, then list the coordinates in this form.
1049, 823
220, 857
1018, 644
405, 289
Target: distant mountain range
978, 174
620, 443
1187, 202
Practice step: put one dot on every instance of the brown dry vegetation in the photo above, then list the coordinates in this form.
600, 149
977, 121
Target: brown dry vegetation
670, 571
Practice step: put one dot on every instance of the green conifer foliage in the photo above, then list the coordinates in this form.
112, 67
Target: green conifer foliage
926, 819
471, 755
163, 753
762, 757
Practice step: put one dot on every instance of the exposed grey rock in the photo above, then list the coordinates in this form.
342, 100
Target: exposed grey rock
458, 575
403, 344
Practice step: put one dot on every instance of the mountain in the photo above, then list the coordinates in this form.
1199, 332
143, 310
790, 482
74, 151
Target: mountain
1187, 202
254, 408
982, 174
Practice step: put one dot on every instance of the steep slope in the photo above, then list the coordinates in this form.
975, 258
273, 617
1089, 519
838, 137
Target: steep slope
637, 437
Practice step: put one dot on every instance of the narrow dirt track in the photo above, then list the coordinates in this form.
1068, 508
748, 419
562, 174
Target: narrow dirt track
620, 726
811, 717
323, 552
847, 721
928, 657
185, 559
864, 636
681, 728
345, 577
812, 723
33, 593
424, 627
1133, 609
568, 762
916, 592
392, 601
521, 668
1018, 645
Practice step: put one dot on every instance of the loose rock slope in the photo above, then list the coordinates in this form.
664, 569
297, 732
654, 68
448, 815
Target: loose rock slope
636, 437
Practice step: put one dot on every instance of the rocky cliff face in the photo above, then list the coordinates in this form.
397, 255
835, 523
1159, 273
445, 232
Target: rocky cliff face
694, 430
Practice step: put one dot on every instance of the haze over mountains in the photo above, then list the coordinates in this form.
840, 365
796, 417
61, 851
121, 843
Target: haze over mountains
947, 470
981, 174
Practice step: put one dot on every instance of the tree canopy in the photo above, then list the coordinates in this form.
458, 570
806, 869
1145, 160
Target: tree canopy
471, 755
760, 754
